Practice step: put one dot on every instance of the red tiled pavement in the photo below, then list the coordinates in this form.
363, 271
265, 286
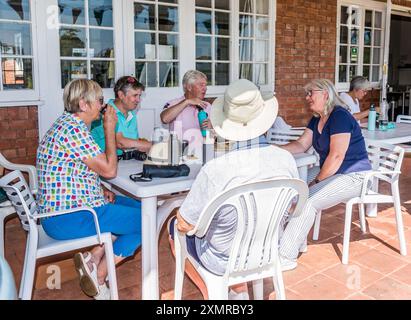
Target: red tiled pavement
376, 270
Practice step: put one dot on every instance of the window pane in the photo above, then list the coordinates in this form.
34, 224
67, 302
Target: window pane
366, 72
145, 45
375, 73
343, 35
15, 10
246, 71
246, 6
222, 23
342, 74
100, 13
168, 74
203, 22
354, 54
222, 4
344, 15
355, 18
168, 48
167, 18
71, 11
377, 37
343, 54
222, 74
103, 73
378, 19
222, 48
354, 36
15, 38
367, 55
73, 42
353, 72
246, 26
206, 69
144, 16
146, 73
367, 37
168, 1
261, 51
260, 74
246, 50
376, 56
203, 48
17, 73
261, 27
101, 43
368, 18
72, 69
262, 6
203, 3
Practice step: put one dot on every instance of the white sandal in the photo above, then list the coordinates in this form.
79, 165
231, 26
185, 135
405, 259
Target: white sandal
88, 279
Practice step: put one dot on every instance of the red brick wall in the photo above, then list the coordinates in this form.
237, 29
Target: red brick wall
402, 3
19, 134
305, 50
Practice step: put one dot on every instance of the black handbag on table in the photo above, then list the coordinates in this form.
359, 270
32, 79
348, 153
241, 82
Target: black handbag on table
151, 171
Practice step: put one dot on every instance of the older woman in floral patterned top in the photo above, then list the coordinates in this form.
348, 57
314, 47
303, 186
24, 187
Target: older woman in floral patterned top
69, 163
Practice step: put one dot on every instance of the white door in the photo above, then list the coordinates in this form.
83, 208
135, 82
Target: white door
386, 50
81, 39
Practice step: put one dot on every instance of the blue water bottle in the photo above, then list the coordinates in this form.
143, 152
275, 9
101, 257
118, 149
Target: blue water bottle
202, 115
372, 118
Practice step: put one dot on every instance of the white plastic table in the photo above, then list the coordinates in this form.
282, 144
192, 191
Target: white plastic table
153, 217
400, 134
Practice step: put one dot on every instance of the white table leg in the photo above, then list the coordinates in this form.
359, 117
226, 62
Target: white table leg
149, 249
303, 172
371, 209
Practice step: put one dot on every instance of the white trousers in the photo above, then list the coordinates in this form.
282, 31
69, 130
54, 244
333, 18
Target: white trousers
323, 195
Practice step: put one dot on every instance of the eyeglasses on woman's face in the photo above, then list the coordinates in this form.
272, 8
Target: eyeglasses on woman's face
309, 93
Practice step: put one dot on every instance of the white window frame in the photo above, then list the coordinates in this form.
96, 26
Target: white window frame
213, 36
187, 56
87, 27
362, 5
24, 97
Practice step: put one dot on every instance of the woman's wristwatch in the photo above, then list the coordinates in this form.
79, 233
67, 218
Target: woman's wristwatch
317, 180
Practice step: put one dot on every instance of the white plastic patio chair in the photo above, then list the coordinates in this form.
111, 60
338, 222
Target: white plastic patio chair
39, 245
283, 136
7, 284
254, 254
404, 119
386, 161
6, 209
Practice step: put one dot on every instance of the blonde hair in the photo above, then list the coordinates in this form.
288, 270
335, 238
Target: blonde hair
192, 76
333, 97
78, 89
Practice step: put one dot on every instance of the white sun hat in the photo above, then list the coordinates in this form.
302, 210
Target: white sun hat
242, 114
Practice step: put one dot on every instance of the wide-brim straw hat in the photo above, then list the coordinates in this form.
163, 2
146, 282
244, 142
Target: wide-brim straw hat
242, 114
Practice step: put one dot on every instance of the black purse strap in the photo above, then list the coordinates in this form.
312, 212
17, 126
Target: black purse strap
138, 177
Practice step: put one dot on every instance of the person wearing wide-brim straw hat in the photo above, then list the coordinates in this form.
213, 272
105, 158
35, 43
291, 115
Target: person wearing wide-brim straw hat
242, 113
242, 116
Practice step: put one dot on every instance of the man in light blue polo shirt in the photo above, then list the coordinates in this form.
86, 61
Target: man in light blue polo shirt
127, 99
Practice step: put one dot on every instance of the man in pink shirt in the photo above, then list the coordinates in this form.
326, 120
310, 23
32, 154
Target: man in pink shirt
182, 113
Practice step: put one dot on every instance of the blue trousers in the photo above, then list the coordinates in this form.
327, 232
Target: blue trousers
122, 218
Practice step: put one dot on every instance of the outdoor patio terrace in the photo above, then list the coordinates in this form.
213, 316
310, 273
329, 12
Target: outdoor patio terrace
376, 270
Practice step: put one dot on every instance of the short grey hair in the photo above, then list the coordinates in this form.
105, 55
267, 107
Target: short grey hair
333, 97
359, 83
79, 89
192, 76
